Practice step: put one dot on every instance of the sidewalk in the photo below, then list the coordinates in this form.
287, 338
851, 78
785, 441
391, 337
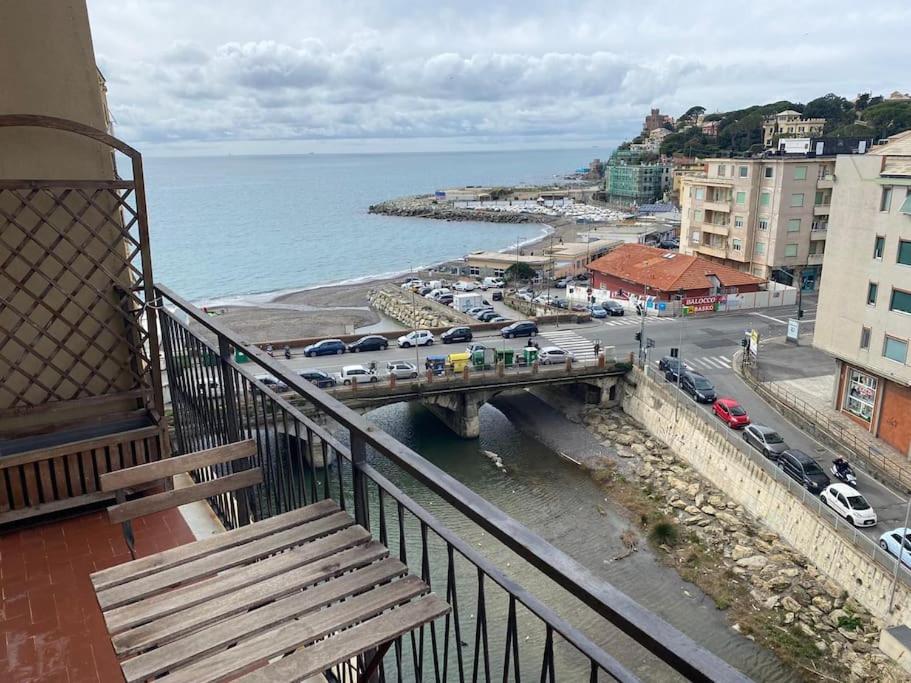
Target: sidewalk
802, 379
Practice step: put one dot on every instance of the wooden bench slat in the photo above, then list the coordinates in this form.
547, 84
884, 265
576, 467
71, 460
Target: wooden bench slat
178, 600
345, 645
171, 655
151, 471
169, 499
54, 452
135, 569
201, 567
289, 635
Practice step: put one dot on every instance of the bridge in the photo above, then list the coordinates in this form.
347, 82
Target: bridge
456, 399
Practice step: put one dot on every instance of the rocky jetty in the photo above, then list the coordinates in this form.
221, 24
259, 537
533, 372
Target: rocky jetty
774, 595
427, 207
424, 315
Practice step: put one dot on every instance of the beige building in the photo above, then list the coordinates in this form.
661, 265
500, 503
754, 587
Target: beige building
864, 313
563, 259
759, 215
789, 124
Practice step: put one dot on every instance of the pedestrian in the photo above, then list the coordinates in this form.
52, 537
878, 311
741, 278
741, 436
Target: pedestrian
287, 352
270, 350
597, 347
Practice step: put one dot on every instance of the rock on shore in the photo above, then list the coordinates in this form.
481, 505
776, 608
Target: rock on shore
426, 207
421, 316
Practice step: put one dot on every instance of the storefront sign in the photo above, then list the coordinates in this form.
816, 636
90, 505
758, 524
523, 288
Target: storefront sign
700, 304
793, 329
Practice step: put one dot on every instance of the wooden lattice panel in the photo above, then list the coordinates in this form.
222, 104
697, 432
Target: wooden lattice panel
72, 323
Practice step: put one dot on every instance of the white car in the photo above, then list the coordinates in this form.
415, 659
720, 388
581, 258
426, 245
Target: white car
356, 374
416, 338
411, 282
495, 282
401, 369
464, 286
848, 503
554, 355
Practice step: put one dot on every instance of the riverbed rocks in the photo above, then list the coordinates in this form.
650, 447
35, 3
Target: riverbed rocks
791, 595
428, 207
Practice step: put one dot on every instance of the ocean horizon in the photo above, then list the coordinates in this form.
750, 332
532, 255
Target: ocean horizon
245, 228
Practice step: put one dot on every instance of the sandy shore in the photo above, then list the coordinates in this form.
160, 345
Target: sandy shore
336, 309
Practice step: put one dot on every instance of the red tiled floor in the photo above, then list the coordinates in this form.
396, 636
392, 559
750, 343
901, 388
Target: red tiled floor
51, 628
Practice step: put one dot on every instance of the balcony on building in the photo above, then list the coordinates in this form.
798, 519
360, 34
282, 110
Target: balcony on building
815, 259
716, 249
85, 397
826, 180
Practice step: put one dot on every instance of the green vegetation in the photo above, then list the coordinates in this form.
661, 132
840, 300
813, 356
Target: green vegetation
663, 533
519, 271
849, 622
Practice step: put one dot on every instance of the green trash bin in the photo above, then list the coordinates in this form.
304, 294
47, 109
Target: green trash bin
241, 356
210, 359
529, 355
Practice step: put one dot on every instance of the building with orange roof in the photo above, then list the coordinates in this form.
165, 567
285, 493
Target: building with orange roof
668, 275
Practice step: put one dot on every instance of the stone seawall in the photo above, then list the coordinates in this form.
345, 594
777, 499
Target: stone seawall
420, 207
420, 314
698, 442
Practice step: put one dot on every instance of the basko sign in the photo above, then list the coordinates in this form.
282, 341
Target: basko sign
699, 304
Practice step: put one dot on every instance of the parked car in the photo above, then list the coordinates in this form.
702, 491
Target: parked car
476, 346
578, 307
668, 362
445, 299
497, 296
613, 308
487, 316
731, 412
803, 469
372, 342
465, 286
456, 334
892, 542
597, 311
356, 374
402, 369
765, 439
554, 355
848, 503
489, 282
412, 282
562, 282
698, 387
321, 379
520, 328
477, 310
325, 347
416, 338
425, 290
673, 371
271, 382
498, 319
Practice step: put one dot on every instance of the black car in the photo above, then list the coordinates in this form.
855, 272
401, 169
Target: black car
497, 296
486, 316
521, 328
456, 334
321, 379
803, 469
765, 439
697, 386
445, 299
670, 366
325, 348
423, 291
613, 307
372, 342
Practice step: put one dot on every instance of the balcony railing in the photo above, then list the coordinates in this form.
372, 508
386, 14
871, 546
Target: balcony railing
814, 259
496, 627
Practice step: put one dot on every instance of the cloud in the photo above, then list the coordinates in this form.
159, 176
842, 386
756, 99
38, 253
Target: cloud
239, 70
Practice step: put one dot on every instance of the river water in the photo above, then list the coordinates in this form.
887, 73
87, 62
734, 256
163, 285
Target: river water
557, 500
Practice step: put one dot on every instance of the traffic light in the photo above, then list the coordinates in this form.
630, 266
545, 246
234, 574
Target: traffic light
674, 352
744, 342
799, 313
638, 336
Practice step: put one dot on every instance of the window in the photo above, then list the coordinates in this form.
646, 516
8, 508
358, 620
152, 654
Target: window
738, 221
790, 250
797, 199
721, 170
744, 171
904, 252
800, 173
700, 193
865, 337
759, 248
885, 202
499, 272
769, 172
879, 246
741, 198
474, 270
736, 244
765, 199
906, 205
763, 224
694, 237
860, 395
793, 225
697, 216
895, 349
901, 301
872, 289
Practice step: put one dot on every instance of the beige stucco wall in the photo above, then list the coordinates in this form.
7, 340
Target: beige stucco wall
850, 266
700, 443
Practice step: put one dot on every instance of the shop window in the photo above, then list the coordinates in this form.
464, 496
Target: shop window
860, 394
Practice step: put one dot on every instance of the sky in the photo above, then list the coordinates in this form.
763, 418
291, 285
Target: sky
296, 76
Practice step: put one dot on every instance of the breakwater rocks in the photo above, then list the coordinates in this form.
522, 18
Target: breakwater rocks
427, 207
423, 314
772, 593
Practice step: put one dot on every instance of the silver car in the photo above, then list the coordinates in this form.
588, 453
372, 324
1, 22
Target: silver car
765, 440
554, 355
402, 369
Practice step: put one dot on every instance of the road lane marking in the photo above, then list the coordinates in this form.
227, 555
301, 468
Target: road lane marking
768, 317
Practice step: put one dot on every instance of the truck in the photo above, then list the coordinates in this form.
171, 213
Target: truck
462, 301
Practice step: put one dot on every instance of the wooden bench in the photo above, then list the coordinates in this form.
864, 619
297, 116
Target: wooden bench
141, 476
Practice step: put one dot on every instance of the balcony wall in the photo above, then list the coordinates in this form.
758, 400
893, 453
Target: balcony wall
815, 259
818, 234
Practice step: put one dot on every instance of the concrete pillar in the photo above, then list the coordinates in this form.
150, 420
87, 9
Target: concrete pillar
460, 412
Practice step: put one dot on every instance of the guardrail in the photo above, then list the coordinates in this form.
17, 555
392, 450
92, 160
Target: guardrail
827, 430
811, 501
496, 625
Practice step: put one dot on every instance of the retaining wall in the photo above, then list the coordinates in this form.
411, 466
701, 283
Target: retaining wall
755, 484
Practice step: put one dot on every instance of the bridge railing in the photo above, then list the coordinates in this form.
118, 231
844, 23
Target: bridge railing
497, 627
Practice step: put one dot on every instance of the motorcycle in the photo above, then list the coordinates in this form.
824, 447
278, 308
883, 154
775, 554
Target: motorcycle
845, 474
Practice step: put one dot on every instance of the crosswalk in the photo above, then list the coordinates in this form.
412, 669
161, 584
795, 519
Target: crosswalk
707, 363
582, 348
627, 321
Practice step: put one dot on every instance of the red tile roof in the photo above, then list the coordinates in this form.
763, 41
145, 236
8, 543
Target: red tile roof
667, 271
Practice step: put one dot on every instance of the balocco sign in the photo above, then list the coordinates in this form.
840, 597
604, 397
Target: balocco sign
700, 304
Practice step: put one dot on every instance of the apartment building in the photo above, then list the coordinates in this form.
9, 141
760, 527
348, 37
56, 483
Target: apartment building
864, 313
789, 124
765, 216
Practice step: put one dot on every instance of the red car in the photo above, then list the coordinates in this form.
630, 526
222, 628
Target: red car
731, 412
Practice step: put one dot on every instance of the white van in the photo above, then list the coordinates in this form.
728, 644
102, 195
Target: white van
495, 282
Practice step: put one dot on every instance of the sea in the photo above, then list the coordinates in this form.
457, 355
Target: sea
236, 228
